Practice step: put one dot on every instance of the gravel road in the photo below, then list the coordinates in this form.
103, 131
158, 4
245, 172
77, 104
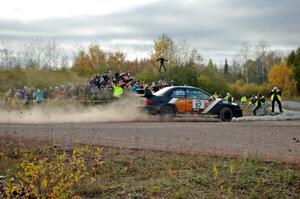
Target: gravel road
270, 140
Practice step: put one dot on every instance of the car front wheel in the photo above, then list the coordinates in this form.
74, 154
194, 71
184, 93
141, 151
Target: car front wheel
226, 114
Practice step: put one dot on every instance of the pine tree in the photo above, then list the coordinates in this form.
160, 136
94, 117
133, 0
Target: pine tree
297, 68
291, 59
211, 65
226, 70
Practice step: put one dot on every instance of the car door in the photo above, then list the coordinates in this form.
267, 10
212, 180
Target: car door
177, 97
196, 100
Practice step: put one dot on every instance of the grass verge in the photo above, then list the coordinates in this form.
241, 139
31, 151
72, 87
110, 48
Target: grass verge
125, 173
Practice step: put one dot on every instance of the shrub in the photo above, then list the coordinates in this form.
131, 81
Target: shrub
51, 173
238, 89
212, 81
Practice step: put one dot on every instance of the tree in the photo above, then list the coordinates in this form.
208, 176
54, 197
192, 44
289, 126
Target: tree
235, 72
226, 70
164, 47
83, 65
291, 59
249, 71
184, 55
211, 65
98, 58
257, 60
116, 60
8, 59
282, 76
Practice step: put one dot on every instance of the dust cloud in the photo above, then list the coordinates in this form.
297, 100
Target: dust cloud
126, 109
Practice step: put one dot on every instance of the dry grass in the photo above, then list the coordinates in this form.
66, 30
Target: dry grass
147, 174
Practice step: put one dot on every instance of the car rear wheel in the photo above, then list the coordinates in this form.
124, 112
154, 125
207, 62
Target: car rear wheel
226, 114
167, 113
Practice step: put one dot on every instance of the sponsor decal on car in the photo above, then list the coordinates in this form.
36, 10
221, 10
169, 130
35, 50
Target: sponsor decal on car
214, 103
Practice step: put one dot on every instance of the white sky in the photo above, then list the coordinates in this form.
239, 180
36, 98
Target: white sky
44, 9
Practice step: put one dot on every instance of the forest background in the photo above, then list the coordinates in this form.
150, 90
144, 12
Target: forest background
255, 69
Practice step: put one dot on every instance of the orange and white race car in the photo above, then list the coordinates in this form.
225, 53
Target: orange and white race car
173, 100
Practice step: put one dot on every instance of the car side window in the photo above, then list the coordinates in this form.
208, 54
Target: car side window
196, 94
178, 93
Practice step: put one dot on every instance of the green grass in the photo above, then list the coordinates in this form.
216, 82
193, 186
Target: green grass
128, 173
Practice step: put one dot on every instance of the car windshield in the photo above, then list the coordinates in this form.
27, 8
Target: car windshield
162, 91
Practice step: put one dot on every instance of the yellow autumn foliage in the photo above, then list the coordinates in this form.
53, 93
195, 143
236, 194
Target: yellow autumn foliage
282, 76
52, 173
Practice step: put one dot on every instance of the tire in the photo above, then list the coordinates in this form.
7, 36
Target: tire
167, 113
226, 114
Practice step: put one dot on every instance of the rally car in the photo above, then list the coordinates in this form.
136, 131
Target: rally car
173, 100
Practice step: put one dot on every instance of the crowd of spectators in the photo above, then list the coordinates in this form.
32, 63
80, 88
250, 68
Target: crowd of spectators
97, 89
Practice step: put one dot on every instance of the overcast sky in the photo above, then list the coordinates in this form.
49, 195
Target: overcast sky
217, 28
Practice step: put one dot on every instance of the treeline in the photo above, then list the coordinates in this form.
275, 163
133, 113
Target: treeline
255, 68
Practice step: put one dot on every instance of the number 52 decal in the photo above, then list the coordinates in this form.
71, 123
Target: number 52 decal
197, 105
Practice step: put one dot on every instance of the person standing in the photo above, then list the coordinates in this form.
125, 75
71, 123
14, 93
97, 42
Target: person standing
229, 98
276, 96
118, 91
243, 100
263, 104
215, 96
147, 91
256, 104
39, 97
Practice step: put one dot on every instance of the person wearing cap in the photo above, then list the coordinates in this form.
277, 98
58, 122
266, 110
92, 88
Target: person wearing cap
276, 96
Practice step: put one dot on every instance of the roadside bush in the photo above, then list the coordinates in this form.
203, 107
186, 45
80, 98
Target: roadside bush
51, 173
238, 89
212, 81
148, 74
182, 75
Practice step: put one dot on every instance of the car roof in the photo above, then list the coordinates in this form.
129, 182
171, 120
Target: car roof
168, 88
183, 86
189, 87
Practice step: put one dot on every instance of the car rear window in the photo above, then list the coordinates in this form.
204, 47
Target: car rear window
162, 91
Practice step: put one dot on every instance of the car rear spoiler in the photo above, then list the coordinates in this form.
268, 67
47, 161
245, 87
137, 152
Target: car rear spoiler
144, 93
140, 91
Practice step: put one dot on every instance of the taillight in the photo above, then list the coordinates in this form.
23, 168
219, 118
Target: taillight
149, 102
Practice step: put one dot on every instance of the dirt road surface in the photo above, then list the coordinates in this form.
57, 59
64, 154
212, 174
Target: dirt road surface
270, 140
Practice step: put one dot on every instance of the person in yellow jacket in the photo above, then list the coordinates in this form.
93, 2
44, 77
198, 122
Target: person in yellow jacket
276, 97
243, 101
118, 91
